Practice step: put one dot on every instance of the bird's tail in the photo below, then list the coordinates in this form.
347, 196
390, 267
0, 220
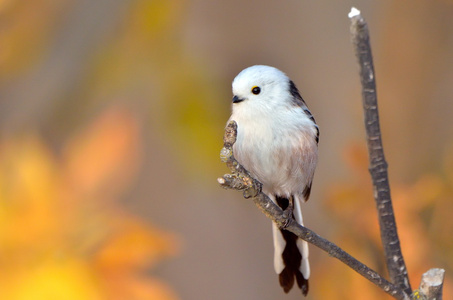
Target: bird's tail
291, 253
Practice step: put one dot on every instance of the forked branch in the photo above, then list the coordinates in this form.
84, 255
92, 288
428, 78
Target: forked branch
241, 180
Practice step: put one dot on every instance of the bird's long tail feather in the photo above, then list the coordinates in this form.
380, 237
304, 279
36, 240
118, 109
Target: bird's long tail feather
290, 252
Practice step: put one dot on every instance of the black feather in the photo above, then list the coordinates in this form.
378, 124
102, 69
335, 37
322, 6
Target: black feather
292, 258
299, 101
306, 192
317, 134
297, 98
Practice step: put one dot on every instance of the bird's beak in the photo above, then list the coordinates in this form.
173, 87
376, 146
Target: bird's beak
236, 99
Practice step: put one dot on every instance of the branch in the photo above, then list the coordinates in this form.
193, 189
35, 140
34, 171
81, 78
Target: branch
240, 179
431, 285
378, 166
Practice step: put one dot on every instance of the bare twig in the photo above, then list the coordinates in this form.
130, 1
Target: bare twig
378, 166
240, 179
431, 285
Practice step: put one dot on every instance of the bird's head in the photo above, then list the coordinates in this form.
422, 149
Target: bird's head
261, 87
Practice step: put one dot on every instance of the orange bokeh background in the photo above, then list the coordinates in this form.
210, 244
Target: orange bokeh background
111, 123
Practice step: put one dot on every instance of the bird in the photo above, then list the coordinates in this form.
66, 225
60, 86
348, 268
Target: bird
277, 142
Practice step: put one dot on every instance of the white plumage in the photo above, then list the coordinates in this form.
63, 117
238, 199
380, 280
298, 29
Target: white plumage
277, 142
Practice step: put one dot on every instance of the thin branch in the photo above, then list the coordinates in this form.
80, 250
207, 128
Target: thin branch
378, 166
240, 179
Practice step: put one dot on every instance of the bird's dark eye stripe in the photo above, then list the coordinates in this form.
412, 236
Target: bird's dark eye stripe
256, 90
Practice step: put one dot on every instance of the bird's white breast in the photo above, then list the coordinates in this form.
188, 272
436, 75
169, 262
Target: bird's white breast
277, 146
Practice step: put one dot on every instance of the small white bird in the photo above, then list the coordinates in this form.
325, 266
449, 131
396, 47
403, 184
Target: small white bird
277, 142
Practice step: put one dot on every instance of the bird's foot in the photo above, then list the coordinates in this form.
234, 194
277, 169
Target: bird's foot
287, 215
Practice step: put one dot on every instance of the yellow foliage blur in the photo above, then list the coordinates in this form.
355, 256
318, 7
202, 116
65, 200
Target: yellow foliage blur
418, 210
63, 234
63, 231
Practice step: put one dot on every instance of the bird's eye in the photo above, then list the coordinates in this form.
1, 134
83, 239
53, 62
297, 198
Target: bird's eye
256, 90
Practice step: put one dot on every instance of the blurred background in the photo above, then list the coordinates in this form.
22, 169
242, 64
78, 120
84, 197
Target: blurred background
111, 122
